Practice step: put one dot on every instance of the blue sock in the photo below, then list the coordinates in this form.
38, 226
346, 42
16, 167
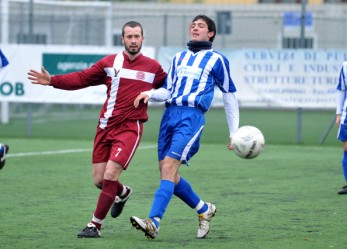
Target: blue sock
161, 200
184, 191
344, 164
203, 209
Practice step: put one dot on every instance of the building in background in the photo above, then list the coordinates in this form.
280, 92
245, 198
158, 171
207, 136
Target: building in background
241, 23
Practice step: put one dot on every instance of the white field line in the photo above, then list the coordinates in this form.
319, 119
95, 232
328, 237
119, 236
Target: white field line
53, 152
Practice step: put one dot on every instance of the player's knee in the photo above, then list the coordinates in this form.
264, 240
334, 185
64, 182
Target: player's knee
168, 171
98, 183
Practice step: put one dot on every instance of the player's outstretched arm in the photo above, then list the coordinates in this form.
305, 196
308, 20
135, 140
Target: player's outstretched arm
156, 95
43, 78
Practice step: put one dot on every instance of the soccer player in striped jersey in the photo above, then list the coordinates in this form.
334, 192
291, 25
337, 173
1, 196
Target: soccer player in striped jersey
3, 67
341, 120
188, 92
120, 126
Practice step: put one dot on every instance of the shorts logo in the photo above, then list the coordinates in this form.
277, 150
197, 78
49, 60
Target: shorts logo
175, 153
140, 75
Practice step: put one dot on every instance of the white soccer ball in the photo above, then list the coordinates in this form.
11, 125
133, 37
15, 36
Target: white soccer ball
248, 142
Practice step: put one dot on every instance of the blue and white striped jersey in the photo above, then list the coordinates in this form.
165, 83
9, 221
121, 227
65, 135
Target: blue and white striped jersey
342, 100
343, 77
192, 78
3, 60
3, 67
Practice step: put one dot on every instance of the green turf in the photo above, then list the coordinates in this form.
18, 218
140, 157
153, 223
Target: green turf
278, 126
285, 198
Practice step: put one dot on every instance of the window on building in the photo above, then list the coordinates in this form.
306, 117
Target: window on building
294, 42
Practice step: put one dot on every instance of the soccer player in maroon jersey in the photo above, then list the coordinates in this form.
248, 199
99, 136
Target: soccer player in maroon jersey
120, 126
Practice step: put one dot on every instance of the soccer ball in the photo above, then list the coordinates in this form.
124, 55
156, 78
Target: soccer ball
248, 142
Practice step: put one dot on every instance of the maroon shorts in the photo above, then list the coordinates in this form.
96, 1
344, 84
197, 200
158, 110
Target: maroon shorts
117, 143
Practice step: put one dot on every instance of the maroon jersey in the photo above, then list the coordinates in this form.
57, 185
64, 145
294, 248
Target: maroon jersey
124, 80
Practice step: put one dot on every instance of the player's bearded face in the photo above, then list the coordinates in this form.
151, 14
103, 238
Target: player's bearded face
133, 48
132, 40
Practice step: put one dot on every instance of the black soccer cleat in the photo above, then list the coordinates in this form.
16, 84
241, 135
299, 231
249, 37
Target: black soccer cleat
118, 205
343, 190
4, 148
90, 231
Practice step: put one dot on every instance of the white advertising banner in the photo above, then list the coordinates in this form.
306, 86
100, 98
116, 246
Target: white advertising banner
57, 60
280, 77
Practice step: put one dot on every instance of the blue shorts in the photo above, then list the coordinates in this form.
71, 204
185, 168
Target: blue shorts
180, 131
342, 133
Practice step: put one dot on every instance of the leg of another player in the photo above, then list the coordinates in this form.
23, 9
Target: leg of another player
123, 192
106, 198
343, 190
4, 148
184, 191
168, 173
98, 173
205, 210
171, 183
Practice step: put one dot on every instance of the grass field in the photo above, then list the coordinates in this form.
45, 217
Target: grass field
285, 198
278, 126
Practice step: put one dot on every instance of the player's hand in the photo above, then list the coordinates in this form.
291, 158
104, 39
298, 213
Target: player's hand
338, 119
43, 78
139, 98
230, 145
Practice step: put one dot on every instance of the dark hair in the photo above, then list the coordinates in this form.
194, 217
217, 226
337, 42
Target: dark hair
132, 24
210, 24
